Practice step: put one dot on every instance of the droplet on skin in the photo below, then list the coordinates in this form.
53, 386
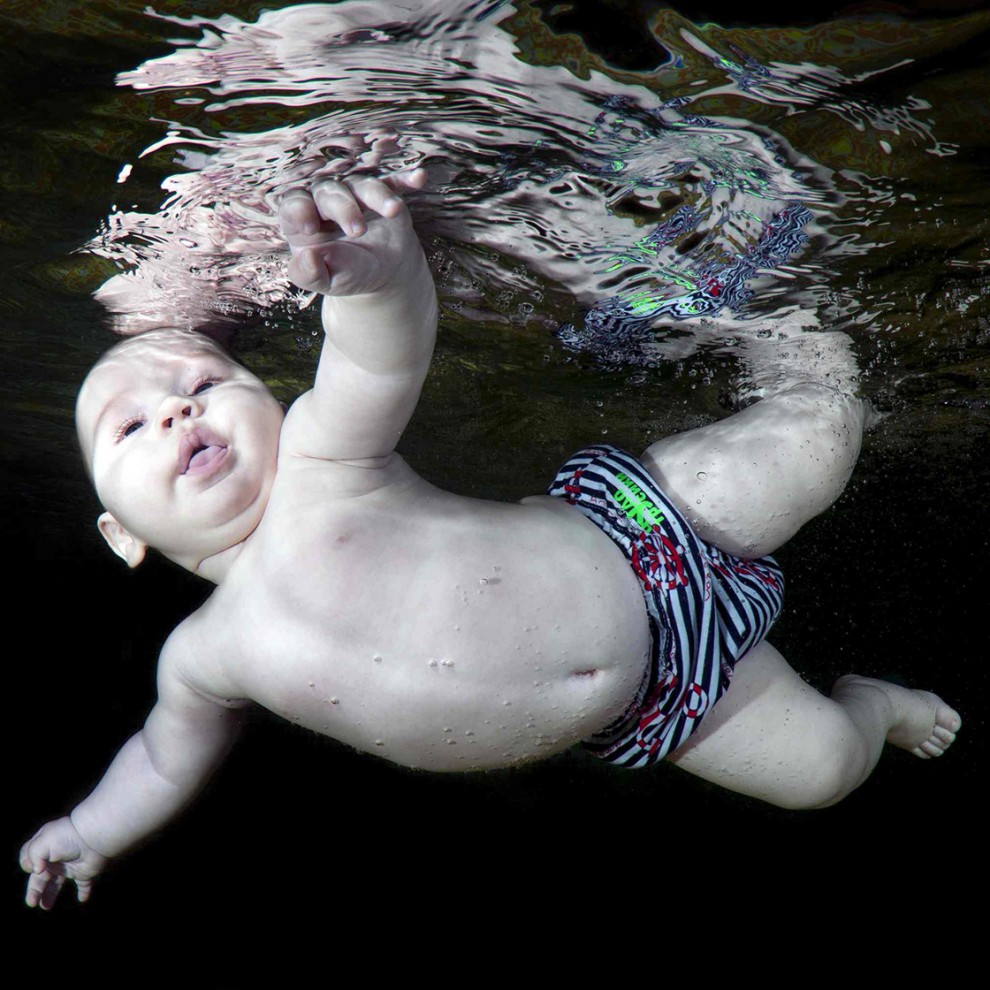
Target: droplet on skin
379, 742
335, 701
310, 683
483, 581
446, 663
377, 658
431, 663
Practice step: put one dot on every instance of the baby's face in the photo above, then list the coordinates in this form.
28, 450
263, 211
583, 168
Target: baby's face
181, 442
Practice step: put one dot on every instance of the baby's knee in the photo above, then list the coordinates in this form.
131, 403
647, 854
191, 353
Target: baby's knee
827, 778
824, 413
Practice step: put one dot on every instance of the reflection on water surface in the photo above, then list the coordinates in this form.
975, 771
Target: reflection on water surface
639, 217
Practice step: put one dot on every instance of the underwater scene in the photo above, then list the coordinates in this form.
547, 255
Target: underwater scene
640, 218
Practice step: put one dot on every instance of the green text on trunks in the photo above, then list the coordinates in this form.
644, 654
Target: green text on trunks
635, 503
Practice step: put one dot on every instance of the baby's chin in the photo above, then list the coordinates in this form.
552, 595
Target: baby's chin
211, 558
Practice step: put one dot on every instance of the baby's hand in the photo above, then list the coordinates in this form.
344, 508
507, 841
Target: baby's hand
371, 254
55, 853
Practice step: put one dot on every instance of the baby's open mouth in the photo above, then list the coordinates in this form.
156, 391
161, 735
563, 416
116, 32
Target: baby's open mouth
201, 454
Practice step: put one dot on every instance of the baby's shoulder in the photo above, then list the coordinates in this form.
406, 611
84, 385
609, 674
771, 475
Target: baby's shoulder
195, 655
339, 479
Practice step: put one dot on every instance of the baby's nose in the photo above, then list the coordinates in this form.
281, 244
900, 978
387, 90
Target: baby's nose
177, 407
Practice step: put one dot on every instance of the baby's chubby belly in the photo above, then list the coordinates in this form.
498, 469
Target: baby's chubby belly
446, 633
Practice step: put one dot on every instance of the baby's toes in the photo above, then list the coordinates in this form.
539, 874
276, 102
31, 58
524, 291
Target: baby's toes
943, 736
948, 718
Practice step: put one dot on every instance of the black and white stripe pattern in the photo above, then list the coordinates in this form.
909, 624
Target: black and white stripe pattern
707, 608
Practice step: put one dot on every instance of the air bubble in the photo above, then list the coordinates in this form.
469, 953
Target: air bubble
702, 476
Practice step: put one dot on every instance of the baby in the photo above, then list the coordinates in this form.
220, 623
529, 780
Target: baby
443, 632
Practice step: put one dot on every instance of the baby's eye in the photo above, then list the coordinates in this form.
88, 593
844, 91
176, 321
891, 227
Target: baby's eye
203, 386
131, 426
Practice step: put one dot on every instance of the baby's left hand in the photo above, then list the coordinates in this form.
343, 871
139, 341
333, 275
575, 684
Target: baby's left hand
54, 854
373, 251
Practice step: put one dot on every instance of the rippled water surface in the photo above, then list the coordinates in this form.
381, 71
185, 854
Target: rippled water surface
618, 251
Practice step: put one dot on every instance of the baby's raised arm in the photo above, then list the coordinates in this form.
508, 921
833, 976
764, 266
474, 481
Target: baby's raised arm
155, 774
353, 241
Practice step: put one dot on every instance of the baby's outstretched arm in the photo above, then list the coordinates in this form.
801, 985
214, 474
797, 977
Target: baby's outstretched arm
155, 774
353, 241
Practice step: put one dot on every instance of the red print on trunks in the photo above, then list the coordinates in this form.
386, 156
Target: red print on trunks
758, 570
656, 559
573, 487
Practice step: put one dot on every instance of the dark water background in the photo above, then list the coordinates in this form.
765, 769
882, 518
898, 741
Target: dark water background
296, 831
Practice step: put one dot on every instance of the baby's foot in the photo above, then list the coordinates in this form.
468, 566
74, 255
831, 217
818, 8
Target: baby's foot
922, 722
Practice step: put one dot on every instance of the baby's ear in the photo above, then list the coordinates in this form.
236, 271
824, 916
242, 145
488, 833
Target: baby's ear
125, 545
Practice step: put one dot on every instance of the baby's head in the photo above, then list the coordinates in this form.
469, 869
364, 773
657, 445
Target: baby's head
181, 443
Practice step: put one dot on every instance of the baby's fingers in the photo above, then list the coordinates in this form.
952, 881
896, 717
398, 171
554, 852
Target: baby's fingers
83, 890
43, 888
309, 271
338, 204
383, 196
345, 203
299, 218
414, 179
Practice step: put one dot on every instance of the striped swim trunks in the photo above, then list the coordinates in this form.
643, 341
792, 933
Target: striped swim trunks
706, 608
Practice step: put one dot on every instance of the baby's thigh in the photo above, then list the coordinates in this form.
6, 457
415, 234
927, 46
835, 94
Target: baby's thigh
750, 481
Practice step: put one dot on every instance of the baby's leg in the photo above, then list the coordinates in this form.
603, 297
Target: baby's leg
749, 482
773, 737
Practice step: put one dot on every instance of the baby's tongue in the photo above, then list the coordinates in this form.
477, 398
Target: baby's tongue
202, 457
